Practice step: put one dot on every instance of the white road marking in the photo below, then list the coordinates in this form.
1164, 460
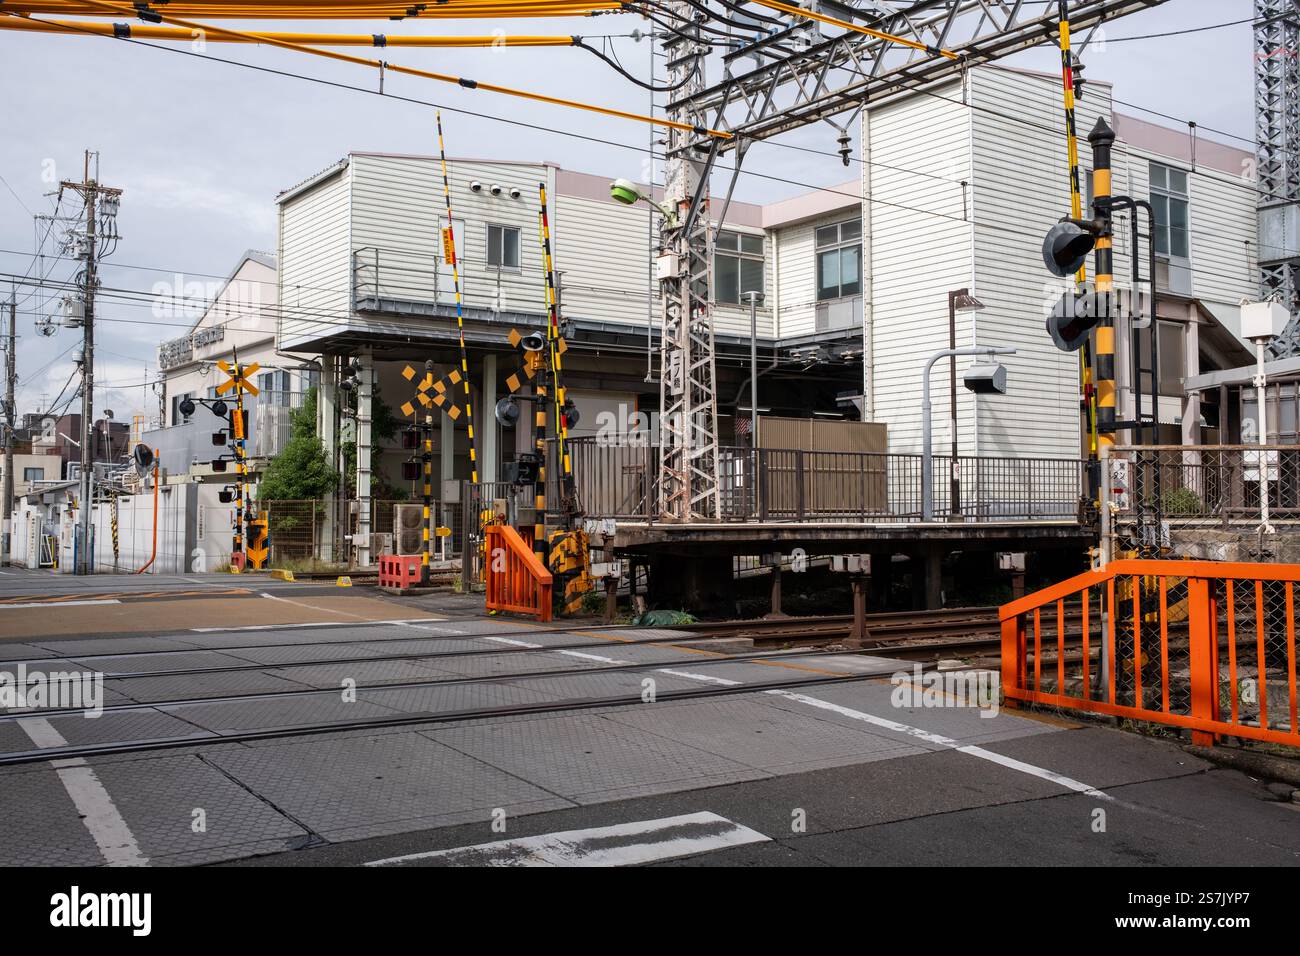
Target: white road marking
98, 812
720, 681
289, 627
61, 603
578, 654
938, 739
313, 607
625, 844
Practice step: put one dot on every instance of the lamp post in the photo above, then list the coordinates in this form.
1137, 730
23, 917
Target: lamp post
959, 300
1261, 322
994, 382
754, 299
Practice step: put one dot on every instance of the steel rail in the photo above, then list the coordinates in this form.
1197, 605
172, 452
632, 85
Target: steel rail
698, 628
799, 658
886, 635
306, 730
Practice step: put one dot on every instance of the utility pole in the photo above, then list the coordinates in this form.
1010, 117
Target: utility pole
91, 192
688, 409
6, 545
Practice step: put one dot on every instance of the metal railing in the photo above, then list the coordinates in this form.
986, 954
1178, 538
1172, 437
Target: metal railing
1206, 646
1165, 495
791, 485
395, 280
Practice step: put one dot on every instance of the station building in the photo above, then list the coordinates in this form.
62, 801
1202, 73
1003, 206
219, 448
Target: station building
958, 186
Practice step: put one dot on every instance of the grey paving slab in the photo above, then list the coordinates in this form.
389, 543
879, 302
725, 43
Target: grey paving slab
492, 665
629, 686
188, 686
112, 645
455, 697
147, 663
22, 652
365, 786
751, 731
134, 725
47, 667
331, 676
332, 633
590, 759
158, 797
40, 825
275, 713
310, 652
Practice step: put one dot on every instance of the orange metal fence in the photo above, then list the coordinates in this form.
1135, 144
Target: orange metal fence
1197, 644
516, 580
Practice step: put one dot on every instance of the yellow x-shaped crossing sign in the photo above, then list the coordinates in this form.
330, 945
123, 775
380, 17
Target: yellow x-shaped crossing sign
239, 375
440, 396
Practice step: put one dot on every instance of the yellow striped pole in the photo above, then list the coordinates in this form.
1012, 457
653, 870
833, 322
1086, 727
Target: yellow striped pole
1102, 138
449, 244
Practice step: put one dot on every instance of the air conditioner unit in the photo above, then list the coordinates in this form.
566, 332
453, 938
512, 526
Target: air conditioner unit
380, 544
408, 529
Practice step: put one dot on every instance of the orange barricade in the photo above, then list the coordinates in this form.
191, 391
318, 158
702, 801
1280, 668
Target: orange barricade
1198, 644
516, 580
399, 570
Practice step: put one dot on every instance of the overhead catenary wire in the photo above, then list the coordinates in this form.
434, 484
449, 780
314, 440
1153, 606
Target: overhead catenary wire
461, 81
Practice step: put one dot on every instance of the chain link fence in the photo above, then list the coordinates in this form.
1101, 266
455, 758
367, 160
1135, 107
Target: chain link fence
1200, 501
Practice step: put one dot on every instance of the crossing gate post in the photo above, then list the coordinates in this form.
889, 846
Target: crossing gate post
1201, 649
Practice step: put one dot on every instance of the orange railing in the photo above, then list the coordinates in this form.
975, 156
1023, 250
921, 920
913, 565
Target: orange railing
1202, 645
516, 579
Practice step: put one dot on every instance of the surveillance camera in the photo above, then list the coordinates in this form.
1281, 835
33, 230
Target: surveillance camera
475, 186
514, 192
496, 190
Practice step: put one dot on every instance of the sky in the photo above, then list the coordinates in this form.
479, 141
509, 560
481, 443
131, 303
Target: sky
201, 148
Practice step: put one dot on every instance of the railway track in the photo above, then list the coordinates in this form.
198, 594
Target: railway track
191, 715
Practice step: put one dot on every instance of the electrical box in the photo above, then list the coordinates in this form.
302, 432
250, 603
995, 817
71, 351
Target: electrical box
851, 563
666, 266
1012, 561
1263, 320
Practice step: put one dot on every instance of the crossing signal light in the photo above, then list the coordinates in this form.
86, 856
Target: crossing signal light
570, 413
507, 412
1066, 248
1072, 318
186, 406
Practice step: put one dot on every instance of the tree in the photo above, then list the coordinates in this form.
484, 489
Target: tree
301, 471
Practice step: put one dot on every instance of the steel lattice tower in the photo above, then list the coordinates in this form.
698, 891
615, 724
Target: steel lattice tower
688, 475
1277, 134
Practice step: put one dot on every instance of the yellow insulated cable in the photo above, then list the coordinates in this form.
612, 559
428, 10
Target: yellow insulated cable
822, 18
208, 29
147, 32
353, 9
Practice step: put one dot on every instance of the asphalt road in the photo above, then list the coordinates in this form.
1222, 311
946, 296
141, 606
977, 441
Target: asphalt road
767, 774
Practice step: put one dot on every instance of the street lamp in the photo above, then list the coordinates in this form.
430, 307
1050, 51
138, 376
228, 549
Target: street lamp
959, 300
983, 379
629, 194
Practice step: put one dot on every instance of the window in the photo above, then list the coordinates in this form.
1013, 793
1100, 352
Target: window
1169, 199
737, 266
1173, 358
839, 260
503, 247
273, 388
177, 417
33, 474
